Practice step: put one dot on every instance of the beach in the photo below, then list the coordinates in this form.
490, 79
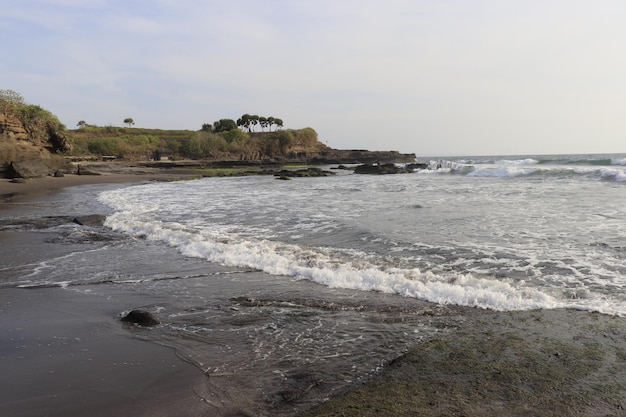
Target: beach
65, 357
69, 355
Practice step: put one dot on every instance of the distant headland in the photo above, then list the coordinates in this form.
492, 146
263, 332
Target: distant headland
34, 139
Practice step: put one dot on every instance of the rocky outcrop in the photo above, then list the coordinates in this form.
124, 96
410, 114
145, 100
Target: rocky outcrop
382, 169
300, 173
31, 168
339, 156
90, 220
141, 318
12, 128
24, 156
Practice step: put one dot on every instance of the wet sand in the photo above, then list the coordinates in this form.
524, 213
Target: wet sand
62, 355
11, 191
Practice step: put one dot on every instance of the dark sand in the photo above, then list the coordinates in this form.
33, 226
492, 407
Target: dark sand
58, 360
62, 355
62, 358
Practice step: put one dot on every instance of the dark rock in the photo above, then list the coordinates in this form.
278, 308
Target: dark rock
359, 156
299, 173
141, 318
417, 165
380, 169
58, 173
341, 166
28, 169
18, 180
90, 220
84, 171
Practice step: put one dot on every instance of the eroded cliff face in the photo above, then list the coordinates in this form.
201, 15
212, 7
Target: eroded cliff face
17, 145
12, 128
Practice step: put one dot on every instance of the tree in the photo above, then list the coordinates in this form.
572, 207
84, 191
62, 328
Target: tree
207, 127
129, 121
254, 120
245, 121
10, 101
82, 123
224, 125
248, 122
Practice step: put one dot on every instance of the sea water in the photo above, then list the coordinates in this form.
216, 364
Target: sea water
284, 292
503, 233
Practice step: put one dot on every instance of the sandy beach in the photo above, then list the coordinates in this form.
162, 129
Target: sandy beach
66, 358
71, 356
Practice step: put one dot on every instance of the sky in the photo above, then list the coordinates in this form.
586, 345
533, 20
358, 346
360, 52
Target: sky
430, 77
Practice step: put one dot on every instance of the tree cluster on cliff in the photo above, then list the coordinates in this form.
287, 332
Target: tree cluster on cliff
249, 122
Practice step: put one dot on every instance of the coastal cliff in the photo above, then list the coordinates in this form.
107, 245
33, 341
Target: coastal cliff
34, 143
19, 147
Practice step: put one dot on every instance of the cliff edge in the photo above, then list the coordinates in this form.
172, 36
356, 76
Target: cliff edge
34, 154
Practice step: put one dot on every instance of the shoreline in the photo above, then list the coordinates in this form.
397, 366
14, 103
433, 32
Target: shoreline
68, 358
39, 187
542, 363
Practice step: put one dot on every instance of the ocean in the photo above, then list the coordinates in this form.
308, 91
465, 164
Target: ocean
288, 283
504, 233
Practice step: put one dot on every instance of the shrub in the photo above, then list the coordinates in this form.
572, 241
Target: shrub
10, 102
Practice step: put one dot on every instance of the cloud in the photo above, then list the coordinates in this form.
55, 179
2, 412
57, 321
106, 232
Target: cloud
444, 76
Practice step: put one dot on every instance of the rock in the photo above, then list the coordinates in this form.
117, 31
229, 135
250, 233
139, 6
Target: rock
307, 172
141, 318
417, 165
34, 168
83, 171
90, 220
12, 127
359, 156
380, 169
58, 173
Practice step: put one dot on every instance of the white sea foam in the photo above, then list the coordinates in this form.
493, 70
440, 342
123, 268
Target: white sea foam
612, 173
527, 161
324, 267
471, 242
488, 171
618, 161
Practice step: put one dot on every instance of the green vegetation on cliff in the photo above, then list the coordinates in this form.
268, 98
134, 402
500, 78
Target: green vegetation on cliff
137, 143
41, 125
225, 139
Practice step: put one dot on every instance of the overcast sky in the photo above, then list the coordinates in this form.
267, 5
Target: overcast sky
434, 77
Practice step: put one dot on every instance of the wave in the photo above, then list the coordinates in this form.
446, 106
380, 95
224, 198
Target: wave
501, 172
580, 159
357, 262
590, 161
527, 161
528, 167
613, 174
335, 268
